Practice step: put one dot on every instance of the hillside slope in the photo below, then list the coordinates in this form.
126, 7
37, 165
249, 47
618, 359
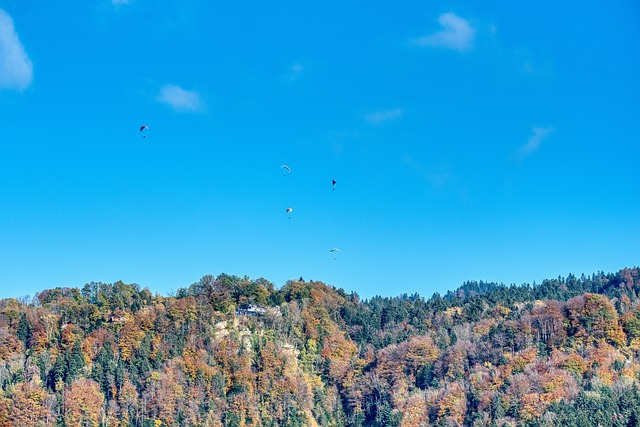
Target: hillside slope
231, 351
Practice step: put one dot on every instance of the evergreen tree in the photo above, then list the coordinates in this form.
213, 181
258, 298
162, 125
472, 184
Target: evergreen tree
24, 330
497, 407
75, 362
104, 369
57, 374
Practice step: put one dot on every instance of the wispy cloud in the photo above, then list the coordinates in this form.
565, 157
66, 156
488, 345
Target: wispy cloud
531, 64
534, 142
525, 60
295, 71
456, 34
438, 176
16, 70
343, 140
380, 117
180, 100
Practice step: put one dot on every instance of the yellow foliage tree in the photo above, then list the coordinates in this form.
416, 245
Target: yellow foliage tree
83, 404
31, 406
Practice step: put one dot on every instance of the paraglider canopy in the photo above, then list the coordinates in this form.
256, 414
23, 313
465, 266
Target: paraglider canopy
289, 210
334, 251
334, 184
143, 127
286, 169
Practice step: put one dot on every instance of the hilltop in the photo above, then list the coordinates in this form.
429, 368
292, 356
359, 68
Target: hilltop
233, 351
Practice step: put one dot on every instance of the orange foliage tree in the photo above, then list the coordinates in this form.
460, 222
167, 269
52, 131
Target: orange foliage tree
593, 317
32, 406
83, 404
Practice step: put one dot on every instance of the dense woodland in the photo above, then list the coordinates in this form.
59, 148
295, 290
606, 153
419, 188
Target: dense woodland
565, 352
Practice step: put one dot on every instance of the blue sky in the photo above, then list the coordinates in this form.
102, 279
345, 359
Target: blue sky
470, 141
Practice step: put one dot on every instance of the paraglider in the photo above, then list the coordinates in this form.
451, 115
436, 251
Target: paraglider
289, 210
286, 168
333, 251
143, 127
334, 184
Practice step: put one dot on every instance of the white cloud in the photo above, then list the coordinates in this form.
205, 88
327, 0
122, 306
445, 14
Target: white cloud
380, 117
16, 70
438, 176
456, 34
525, 60
180, 100
295, 70
534, 142
531, 64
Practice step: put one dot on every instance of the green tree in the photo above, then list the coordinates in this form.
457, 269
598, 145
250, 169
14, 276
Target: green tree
74, 359
24, 330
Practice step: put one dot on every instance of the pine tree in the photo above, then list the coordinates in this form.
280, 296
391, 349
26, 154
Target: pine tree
75, 362
497, 407
57, 374
24, 330
103, 369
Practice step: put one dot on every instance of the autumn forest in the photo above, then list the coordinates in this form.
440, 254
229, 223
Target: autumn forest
236, 351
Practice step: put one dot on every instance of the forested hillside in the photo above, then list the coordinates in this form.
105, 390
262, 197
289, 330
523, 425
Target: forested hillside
232, 351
